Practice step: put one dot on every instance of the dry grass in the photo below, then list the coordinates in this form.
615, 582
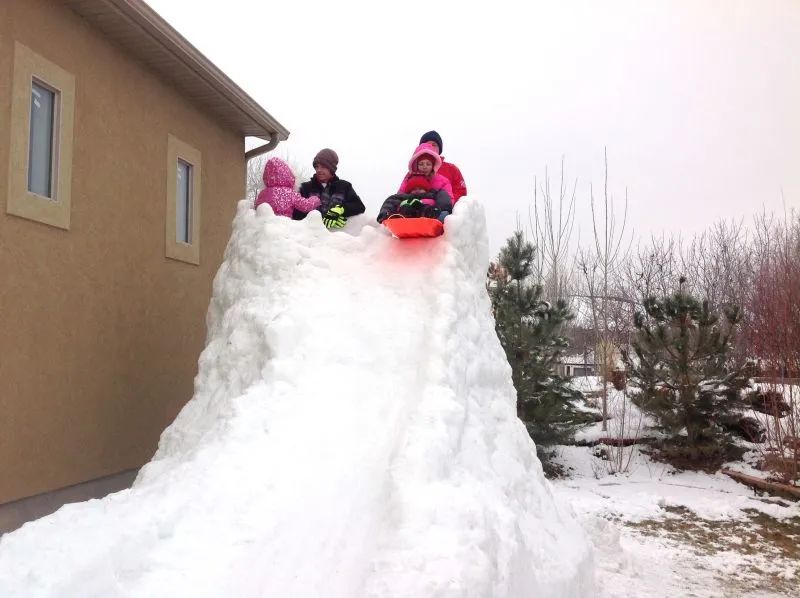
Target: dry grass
764, 547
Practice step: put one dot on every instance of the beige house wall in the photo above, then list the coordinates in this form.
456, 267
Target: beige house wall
99, 331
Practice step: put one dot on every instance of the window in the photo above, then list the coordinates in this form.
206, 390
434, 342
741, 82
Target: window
40, 158
183, 201
41, 142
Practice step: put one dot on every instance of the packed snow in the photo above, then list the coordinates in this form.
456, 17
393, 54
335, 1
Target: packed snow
352, 434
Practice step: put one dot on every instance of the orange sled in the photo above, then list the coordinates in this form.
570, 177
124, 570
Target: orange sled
409, 228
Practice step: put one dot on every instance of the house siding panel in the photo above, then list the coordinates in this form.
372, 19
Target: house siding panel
100, 330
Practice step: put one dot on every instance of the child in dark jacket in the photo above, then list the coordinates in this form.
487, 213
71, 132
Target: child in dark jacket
421, 200
337, 198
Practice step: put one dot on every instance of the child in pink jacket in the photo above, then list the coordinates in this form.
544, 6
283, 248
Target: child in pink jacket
279, 190
425, 162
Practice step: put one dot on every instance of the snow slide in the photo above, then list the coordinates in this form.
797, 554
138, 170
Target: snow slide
352, 434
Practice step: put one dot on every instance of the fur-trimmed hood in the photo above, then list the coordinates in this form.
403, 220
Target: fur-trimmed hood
425, 149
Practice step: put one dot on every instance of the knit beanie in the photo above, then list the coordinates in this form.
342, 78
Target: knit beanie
417, 182
435, 137
327, 158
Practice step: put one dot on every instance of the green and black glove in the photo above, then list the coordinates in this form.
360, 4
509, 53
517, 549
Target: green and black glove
411, 208
334, 217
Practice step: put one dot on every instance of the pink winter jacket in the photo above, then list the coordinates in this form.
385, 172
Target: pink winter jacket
437, 181
279, 190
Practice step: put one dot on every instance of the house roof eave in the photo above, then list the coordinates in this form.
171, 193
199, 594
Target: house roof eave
143, 33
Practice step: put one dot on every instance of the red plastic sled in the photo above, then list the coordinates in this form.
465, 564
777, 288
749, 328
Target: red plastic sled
409, 228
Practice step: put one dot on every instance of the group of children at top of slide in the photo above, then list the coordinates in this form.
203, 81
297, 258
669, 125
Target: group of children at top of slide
430, 188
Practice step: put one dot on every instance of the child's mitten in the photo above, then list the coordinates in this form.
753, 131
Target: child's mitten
334, 217
411, 208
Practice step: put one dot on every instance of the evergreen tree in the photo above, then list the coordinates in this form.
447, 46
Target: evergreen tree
682, 366
529, 329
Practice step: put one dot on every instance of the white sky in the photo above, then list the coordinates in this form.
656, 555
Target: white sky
698, 102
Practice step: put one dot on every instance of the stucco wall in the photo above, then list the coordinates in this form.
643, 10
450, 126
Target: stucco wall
99, 331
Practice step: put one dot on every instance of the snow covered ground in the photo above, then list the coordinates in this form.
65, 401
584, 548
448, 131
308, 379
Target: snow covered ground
626, 420
659, 532
352, 434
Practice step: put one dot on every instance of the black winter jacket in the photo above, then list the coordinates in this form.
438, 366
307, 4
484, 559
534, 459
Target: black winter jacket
389, 207
336, 192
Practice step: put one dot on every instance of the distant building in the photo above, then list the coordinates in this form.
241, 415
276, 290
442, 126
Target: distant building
122, 157
578, 364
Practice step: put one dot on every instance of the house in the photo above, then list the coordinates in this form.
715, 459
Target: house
122, 157
577, 364
589, 362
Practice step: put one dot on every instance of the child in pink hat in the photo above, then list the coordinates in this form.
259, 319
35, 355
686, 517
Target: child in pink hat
279, 191
425, 162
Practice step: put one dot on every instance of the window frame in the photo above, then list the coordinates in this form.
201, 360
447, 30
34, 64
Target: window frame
29, 68
180, 151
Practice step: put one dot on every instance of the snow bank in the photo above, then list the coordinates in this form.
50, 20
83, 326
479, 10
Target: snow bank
648, 487
625, 418
352, 433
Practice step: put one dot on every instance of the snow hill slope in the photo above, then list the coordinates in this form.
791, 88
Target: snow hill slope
352, 434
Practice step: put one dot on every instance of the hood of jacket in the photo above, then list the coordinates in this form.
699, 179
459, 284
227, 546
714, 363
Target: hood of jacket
425, 149
278, 174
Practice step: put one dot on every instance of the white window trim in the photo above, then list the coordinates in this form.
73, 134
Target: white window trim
180, 150
55, 211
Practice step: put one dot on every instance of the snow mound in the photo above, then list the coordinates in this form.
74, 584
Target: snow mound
352, 434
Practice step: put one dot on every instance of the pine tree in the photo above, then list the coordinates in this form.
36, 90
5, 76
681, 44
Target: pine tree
529, 329
683, 368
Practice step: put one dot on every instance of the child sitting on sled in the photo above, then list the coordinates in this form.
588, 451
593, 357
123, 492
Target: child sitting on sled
423, 192
420, 201
279, 191
425, 162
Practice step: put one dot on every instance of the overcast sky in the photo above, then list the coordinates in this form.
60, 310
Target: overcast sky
698, 102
